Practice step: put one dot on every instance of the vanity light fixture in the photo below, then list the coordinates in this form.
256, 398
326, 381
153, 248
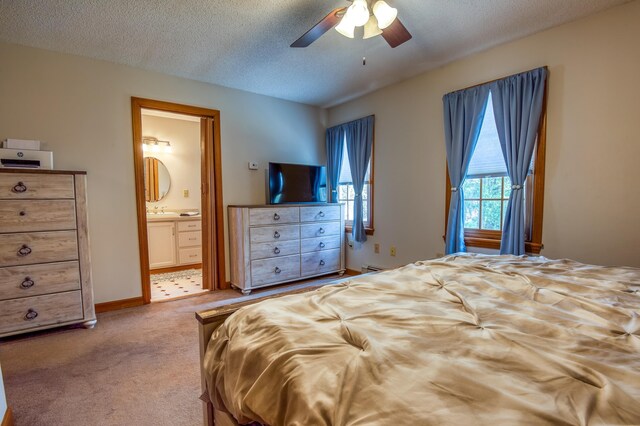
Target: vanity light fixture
151, 144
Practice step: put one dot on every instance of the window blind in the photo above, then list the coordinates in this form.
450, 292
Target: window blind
487, 159
345, 170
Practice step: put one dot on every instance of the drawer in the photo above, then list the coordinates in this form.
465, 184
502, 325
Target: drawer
279, 249
268, 271
267, 234
319, 213
37, 215
320, 262
27, 185
38, 247
32, 280
189, 239
189, 225
271, 216
320, 243
37, 311
190, 255
319, 229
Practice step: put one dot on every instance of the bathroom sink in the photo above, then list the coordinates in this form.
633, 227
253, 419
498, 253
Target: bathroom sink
173, 214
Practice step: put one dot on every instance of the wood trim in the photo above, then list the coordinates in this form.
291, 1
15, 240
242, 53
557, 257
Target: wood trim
7, 419
367, 231
119, 304
176, 268
352, 272
213, 258
206, 125
491, 239
138, 166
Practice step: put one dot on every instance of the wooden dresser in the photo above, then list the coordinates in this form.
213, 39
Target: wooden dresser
276, 244
45, 271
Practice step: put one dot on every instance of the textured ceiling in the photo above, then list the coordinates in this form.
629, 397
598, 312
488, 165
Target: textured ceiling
244, 44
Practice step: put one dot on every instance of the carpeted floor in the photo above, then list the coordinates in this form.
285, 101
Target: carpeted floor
139, 366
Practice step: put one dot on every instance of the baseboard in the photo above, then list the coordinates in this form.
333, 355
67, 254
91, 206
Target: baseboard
352, 272
7, 420
118, 304
175, 268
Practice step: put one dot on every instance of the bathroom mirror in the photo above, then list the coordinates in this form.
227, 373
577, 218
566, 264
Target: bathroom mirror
156, 179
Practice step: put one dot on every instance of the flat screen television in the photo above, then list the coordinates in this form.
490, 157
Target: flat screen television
296, 183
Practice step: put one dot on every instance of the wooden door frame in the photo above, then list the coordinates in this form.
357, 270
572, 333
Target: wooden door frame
213, 253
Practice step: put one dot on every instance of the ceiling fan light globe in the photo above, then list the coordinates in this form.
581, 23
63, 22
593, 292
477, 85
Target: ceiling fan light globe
346, 27
384, 13
371, 28
359, 12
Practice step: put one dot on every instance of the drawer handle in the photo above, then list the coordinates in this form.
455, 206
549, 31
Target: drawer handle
322, 263
30, 315
25, 250
276, 234
276, 250
276, 216
277, 270
321, 230
19, 188
321, 214
27, 283
322, 245
22, 213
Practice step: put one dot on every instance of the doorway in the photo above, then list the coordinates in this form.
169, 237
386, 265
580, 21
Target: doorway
173, 223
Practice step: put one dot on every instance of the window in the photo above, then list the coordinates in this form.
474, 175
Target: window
487, 189
346, 194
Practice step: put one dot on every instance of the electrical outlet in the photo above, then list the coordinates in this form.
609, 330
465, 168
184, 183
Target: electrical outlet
185, 193
376, 248
392, 251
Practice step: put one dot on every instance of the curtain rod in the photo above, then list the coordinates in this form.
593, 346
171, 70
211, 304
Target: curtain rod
352, 121
497, 79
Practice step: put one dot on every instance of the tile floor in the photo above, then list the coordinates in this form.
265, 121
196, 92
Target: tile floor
170, 285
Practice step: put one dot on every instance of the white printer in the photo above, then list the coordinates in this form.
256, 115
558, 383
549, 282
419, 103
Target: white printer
17, 153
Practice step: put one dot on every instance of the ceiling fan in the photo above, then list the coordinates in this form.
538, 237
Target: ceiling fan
383, 21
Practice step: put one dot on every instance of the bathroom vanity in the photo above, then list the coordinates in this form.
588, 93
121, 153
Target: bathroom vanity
174, 240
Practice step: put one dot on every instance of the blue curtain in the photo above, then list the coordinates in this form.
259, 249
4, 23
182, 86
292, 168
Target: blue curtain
517, 105
359, 135
335, 148
463, 115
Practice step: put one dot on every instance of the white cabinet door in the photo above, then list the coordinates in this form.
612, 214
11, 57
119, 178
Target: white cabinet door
162, 244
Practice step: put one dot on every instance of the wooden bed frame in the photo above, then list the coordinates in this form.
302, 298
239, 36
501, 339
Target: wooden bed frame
210, 320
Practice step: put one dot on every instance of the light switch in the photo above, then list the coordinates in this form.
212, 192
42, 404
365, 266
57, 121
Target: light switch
253, 165
185, 193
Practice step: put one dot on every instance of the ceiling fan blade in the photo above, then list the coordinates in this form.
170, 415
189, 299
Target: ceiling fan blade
396, 34
320, 28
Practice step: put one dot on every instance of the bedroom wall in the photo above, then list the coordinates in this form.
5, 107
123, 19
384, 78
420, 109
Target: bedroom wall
81, 109
183, 162
592, 199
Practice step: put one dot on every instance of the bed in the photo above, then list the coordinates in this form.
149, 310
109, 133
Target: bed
465, 339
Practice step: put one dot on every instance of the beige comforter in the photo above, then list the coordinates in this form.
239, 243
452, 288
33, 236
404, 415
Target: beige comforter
463, 340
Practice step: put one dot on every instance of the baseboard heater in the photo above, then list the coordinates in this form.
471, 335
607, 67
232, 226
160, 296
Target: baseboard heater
371, 268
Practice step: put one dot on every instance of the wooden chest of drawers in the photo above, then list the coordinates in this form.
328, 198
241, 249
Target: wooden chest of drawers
276, 244
45, 271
